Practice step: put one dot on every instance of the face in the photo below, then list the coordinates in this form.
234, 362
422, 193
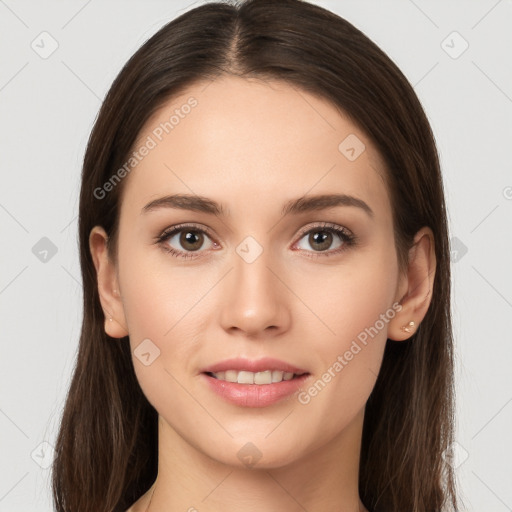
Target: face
243, 270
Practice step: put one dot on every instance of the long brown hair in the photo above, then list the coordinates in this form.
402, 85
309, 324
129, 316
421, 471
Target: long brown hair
106, 450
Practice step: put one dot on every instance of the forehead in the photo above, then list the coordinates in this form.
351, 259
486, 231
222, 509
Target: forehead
234, 139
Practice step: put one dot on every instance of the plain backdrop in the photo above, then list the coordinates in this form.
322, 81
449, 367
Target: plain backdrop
58, 60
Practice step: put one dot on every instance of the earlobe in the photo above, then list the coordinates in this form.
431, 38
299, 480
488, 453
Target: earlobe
416, 287
110, 297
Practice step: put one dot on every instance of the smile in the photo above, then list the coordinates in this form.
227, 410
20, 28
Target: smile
261, 378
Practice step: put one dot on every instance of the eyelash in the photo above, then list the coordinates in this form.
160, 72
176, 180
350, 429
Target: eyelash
345, 236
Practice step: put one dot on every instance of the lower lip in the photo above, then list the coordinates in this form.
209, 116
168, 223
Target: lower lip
255, 395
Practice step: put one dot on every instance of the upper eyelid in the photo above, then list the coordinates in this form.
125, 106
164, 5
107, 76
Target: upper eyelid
180, 227
326, 225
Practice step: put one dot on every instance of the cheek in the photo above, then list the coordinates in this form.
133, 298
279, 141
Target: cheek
155, 294
357, 305
161, 305
349, 298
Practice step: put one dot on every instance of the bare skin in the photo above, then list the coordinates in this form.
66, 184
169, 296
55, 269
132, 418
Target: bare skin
253, 146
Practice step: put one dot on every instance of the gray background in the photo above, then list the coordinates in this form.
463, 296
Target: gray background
47, 108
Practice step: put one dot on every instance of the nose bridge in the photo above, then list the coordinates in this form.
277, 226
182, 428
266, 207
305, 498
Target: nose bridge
255, 298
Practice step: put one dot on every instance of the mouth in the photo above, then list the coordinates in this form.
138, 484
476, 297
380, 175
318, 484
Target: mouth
261, 378
254, 382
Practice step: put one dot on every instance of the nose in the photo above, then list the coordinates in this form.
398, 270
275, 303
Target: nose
255, 299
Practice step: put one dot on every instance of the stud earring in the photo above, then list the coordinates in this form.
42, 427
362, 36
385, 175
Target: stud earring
408, 327
110, 319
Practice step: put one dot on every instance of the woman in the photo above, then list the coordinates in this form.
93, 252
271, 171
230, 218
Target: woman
265, 264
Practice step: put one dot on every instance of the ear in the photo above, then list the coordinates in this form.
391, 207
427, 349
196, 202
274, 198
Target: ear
108, 287
414, 291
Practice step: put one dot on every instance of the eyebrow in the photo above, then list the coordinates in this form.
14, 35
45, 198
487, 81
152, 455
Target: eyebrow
295, 206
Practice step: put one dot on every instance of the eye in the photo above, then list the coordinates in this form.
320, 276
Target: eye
321, 238
189, 239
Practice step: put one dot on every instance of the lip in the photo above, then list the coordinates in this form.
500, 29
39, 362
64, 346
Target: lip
254, 395
259, 365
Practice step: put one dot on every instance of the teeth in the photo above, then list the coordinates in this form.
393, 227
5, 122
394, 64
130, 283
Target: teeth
277, 376
244, 377
231, 376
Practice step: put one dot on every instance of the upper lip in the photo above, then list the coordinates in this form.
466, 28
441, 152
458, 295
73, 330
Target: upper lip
256, 365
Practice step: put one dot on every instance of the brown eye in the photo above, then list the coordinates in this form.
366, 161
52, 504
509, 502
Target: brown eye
191, 240
183, 241
320, 240
326, 240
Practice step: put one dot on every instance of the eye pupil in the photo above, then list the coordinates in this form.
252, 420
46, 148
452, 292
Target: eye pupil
189, 238
320, 237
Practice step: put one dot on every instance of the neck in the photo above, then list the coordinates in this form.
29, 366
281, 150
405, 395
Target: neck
326, 479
